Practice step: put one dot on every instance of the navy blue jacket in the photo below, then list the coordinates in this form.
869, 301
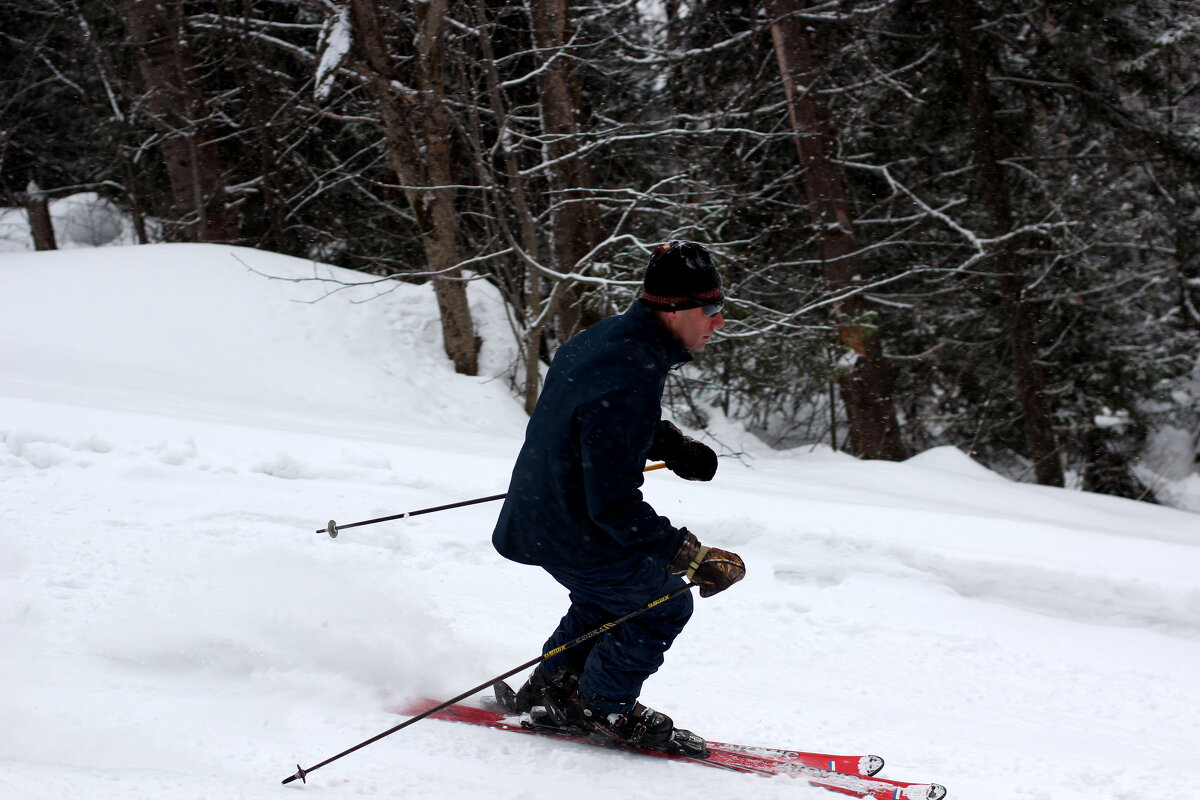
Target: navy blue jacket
575, 497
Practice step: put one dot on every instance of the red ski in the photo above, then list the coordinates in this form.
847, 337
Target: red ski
865, 766
850, 775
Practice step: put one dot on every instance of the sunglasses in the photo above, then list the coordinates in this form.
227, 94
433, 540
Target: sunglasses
712, 310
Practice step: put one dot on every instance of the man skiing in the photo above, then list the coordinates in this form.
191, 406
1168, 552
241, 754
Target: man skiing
575, 508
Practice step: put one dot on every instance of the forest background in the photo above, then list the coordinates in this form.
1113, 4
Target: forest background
941, 222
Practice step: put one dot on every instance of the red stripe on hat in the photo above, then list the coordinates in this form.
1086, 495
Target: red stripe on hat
711, 294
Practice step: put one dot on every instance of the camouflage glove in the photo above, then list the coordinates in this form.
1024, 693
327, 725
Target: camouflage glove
683, 455
711, 569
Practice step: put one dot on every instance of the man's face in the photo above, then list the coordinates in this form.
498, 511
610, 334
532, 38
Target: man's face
692, 327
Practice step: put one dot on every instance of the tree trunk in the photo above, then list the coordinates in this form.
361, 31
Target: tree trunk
1187, 255
189, 151
572, 212
424, 169
1181, 210
1039, 428
40, 224
523, 284
867, 390
267, 148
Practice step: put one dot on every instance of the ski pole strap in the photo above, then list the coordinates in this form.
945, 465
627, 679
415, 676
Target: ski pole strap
697, 560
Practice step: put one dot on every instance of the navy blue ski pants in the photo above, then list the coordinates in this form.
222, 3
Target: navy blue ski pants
614, 665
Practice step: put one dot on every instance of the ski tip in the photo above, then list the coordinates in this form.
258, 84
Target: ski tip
936, 792
870, 765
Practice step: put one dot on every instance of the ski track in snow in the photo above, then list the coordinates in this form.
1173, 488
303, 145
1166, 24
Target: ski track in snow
174, 626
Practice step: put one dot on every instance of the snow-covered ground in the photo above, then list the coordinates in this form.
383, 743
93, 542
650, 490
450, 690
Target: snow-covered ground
175, 427
80, 220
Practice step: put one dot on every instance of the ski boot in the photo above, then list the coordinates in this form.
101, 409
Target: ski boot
640, 727
544, 696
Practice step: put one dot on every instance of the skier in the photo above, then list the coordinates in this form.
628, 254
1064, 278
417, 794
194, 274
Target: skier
574, 505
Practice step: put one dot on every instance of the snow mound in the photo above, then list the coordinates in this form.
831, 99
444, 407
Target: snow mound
234, 333
954, 461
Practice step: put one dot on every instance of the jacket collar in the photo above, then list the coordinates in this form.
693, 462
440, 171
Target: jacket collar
665, 346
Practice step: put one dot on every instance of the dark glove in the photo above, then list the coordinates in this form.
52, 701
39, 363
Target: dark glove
711, 569
687, 458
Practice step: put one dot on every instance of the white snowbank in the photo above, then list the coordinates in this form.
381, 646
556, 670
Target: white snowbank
175, 428
80, 220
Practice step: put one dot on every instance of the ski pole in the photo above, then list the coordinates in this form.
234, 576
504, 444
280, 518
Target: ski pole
302, 773
333, 528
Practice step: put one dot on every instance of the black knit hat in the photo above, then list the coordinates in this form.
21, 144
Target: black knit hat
682, 275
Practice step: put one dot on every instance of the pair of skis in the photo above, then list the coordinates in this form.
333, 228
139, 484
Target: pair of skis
850, 775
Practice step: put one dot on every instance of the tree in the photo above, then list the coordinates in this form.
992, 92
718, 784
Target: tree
572, 213
1092, 264
65, 112
867, 388
977, 209
417, 126
1013, 282
177, 106
38, 208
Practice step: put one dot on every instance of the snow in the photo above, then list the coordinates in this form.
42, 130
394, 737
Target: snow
178, 421
336, 40
80, 220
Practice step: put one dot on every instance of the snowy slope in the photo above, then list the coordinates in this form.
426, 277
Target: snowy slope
175, 426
